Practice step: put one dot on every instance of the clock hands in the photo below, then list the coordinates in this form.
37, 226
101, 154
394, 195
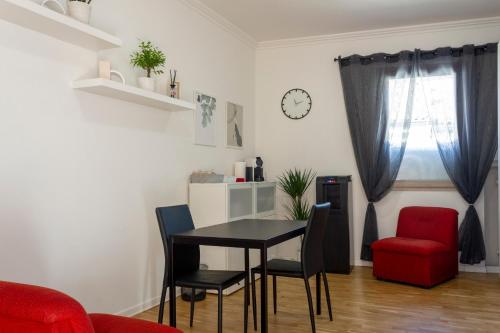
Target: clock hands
297, 103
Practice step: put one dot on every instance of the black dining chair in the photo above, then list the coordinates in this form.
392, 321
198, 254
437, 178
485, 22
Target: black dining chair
311, 262
176, 219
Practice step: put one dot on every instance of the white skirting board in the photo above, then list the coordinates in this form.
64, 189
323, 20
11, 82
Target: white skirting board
479, 268
136, 309
141, 307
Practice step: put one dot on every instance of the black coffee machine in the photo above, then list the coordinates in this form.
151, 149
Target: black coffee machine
254, 171
258, 173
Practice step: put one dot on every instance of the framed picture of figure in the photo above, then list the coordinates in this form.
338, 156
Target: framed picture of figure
205, 116
234, 125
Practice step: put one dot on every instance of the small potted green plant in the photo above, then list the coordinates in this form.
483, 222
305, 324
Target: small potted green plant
151, 59
80, 10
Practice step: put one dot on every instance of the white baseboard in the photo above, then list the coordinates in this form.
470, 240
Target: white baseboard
479, 268
472, 268
141, 307
493, 269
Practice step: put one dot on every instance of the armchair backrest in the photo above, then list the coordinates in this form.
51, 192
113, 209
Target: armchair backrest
26, 308
431, 223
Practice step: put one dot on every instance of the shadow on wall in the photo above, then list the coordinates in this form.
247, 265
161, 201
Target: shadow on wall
152, 273
114, 113
33, 44
22, 241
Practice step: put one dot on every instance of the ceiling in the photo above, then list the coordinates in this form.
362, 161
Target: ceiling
267, 20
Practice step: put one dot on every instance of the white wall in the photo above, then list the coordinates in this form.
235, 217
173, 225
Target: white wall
81, 174
322, 141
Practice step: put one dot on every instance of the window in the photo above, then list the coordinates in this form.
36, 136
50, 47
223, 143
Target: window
421, 161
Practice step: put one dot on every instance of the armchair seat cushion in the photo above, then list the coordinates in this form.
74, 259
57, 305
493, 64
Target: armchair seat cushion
403, 245
104, 323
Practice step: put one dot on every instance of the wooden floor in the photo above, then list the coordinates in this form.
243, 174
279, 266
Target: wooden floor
470, 303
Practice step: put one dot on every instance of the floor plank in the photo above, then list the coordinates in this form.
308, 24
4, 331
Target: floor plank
470, 303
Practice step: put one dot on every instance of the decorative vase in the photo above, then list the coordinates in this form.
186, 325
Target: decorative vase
146, 83
79, 11
56, 4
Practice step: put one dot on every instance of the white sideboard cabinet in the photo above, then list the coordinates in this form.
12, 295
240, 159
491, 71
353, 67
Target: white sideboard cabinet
215, 203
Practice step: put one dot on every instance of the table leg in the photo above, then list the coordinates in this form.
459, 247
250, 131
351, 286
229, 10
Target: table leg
318, 293
263, 290
171, 284
247, 290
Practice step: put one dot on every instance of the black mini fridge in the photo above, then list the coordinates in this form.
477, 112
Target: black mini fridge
339, 245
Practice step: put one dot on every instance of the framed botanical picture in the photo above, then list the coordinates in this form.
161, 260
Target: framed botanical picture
205, 114
234, 125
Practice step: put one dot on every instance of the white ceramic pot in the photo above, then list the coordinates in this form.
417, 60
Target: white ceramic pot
146, 83
79, 10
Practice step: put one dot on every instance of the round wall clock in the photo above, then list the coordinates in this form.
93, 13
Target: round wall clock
296, 103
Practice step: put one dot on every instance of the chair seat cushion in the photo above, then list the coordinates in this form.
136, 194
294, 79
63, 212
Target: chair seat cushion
210, 279
282, 267
104, 323
421, 247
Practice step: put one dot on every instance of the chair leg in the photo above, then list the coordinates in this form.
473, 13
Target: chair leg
310, 302
219, 320
248, 294
191, 315
162, 299
245, 305
254, 302
327, 291
275, 305
318, 294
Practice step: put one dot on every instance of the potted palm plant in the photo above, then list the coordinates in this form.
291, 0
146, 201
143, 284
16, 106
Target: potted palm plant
80, 10
295, 184
151, 59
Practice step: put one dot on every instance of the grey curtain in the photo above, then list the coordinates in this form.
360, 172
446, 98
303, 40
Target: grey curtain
467, 136
372, 86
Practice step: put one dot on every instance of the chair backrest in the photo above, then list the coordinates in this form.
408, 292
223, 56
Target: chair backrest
172, 220
431, 223
312, 243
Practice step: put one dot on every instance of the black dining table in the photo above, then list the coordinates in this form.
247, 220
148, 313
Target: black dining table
247, 234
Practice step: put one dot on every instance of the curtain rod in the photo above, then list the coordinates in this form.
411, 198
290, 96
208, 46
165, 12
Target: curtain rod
452, 49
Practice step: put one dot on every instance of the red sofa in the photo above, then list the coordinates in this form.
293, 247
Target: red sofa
25, 308
424, 251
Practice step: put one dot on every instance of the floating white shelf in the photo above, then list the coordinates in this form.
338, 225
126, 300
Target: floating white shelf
132, 94
32, 16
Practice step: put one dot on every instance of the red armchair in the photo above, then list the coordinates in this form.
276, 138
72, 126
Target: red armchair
32, 309
424, 251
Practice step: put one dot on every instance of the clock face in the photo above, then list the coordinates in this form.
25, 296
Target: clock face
296, 104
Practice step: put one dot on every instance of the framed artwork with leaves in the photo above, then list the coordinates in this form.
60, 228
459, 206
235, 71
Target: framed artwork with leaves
205, 117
